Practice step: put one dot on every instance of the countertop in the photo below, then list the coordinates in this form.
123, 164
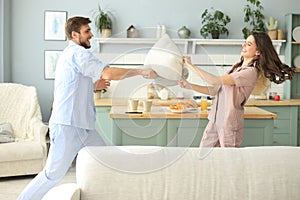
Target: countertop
284, 102
158, 102
164, 112
160, 108
123, 102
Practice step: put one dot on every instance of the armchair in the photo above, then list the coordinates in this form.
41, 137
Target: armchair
28, 152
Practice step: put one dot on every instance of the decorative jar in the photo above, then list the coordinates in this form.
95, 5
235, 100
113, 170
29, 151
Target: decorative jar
184, 32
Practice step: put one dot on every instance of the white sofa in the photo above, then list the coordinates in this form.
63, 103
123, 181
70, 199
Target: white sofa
171, 173
27, 154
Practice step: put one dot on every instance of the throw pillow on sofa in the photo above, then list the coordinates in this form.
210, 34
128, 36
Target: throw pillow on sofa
6, 133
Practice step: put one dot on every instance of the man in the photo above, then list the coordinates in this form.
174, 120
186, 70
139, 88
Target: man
73, 115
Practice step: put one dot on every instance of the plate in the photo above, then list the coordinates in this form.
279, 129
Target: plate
296, 61
185, 110
192, 109
178, 111
296, 34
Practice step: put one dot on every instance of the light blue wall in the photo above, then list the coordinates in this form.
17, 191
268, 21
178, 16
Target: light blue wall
5, 69
27, 28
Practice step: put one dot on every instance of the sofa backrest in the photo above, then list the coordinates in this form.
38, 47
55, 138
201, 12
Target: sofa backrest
19, 106
158, 173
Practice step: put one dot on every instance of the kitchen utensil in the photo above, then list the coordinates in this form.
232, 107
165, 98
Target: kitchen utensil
163, 94
133, 104
147, 104
296, 34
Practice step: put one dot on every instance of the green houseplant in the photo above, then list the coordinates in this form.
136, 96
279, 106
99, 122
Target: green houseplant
254, 17
103, 21
214, 22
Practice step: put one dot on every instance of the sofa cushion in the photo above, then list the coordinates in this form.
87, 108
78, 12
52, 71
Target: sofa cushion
22, 150
125, 173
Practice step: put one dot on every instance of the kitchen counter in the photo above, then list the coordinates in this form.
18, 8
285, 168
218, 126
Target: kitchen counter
158, 102
284, 102
260, 127
164, 128
124, 102
164, 112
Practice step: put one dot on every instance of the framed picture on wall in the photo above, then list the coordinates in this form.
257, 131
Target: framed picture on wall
51, 58
55, 25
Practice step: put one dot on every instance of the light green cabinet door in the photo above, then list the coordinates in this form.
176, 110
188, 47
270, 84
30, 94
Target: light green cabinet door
185, 132
148, 132
104, 123
285, 130
189, 132
258, 132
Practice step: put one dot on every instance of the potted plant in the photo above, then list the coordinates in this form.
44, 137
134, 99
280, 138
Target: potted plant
103, 21
272, 28
214, 22
253, 16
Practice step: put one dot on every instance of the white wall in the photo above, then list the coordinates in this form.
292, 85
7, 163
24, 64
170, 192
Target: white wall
26, 38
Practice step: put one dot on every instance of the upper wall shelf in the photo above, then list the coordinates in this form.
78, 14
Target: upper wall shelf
140, 41
297, 69
185, 42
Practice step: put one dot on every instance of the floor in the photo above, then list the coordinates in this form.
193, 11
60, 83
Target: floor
11, 187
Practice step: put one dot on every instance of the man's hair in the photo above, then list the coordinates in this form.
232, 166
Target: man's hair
74, 24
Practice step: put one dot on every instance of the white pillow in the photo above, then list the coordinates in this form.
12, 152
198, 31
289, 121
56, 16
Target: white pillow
6, 133
165, 58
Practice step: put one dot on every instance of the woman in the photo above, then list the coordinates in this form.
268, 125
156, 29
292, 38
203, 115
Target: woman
232, 90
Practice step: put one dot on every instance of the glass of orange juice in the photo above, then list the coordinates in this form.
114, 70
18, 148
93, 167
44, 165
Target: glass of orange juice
204, 103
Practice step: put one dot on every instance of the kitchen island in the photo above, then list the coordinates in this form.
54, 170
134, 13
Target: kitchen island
285, 128
165, 128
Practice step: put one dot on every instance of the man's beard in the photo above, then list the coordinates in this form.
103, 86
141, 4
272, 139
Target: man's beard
85, 45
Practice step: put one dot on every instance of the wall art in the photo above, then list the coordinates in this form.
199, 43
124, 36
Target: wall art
51, 58
55, 25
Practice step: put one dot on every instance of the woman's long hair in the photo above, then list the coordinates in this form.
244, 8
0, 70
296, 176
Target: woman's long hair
268, 62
